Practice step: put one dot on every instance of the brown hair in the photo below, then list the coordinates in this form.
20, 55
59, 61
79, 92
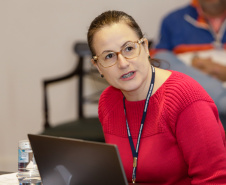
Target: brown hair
110, 17
107, 18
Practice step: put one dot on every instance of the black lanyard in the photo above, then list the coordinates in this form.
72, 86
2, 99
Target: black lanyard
135, 152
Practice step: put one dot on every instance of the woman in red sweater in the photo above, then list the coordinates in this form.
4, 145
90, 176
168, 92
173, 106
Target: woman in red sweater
165, 125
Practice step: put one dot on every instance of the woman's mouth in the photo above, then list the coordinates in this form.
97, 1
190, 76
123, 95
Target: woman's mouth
128, 75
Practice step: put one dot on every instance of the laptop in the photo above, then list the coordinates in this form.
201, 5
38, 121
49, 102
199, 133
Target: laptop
64, 161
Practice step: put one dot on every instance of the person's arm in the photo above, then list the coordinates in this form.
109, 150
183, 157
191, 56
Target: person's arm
201, 138
219, 71
203, 64
209, 66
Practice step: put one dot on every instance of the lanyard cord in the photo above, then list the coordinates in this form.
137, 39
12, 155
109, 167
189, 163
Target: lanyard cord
135, 152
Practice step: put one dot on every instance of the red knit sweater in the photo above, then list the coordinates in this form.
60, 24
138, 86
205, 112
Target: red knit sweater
183, 140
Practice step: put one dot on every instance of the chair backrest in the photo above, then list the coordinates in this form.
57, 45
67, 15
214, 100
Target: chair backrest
82, 50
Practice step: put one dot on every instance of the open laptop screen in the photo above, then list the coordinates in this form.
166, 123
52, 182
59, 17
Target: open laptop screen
64, 161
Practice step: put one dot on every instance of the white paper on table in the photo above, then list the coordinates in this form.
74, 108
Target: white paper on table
9, 179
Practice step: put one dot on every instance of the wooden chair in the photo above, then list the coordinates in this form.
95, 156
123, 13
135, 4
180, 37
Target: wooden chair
82, 128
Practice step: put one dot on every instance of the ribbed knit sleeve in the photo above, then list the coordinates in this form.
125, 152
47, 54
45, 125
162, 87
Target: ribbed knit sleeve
202, 143
194, 120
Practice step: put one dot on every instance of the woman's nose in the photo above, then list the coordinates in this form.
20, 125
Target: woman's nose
122, 62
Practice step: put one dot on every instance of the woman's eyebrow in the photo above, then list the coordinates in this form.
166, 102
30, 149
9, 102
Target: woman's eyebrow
107, 51
125, 44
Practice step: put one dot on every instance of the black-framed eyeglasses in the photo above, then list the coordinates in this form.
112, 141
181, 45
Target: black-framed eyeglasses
129, 51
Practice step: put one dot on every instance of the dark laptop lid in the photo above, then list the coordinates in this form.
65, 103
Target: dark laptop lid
63, 161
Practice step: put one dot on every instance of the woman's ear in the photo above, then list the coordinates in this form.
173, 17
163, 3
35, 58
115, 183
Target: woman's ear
146, 46
95, 64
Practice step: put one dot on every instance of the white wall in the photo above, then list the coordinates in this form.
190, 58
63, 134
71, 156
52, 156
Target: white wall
36, 39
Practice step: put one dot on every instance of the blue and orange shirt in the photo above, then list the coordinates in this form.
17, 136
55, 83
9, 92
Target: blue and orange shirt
187, 29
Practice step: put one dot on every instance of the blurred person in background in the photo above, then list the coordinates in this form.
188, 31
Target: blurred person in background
193, 40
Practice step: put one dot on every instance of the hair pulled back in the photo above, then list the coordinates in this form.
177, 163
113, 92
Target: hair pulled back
108, 18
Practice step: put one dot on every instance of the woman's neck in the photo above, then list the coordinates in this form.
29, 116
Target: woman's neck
161, 76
